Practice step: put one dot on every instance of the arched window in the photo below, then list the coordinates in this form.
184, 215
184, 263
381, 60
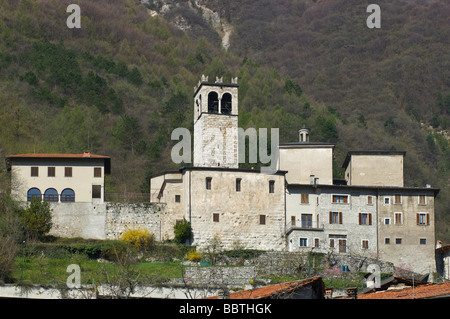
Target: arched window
67, 195
226, 103
51, 195
33, 193
213, 102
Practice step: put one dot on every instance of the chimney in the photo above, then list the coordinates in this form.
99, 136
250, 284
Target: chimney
87, 154
303, 135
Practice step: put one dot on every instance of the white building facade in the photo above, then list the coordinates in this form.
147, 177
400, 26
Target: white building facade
59, 178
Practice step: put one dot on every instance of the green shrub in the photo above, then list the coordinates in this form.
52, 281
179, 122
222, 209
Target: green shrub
37, 219
183, 231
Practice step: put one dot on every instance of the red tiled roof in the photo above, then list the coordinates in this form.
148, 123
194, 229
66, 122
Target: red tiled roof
419, 292
271, 290
57, 156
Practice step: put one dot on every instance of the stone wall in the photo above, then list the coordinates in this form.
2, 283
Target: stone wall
120, 216
106, 220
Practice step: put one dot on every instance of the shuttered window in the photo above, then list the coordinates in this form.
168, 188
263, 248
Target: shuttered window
67, 171
305, 198
422, 200
365, 218
335, 217
340, 199
51, 171
365, 244
423, 219
34, 171
398, 218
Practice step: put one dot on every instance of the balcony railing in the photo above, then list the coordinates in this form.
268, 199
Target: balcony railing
289, 227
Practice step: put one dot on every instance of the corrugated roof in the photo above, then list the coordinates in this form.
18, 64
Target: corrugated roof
420, 292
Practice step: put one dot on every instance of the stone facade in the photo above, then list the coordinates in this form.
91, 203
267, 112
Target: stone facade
329, 218
237, 206
216, 124
252, 217
406, 226
391, 223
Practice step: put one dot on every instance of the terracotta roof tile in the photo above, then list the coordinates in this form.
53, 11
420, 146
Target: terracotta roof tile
268, 291
419, 292
57, 156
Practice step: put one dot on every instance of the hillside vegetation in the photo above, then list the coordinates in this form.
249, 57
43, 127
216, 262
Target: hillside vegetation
122, 82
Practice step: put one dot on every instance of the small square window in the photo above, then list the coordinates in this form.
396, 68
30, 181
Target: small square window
387, 200
398, 241
262, 219
97, 172
365, 244
422, 200
423, 241
387, 241
304, 199
177, 198
387, 221
303, 242
215, 217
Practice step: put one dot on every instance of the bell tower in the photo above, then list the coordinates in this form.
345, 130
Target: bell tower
216, 123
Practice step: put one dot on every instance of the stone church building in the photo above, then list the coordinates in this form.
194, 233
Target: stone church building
300, 207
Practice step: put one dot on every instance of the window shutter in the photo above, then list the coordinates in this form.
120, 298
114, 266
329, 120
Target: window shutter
418, 219
370, 219
345, 199
428, 219
331, 217
359, 216
340, 217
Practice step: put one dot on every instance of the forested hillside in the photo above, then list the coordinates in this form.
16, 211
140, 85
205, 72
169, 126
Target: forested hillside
122, 82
